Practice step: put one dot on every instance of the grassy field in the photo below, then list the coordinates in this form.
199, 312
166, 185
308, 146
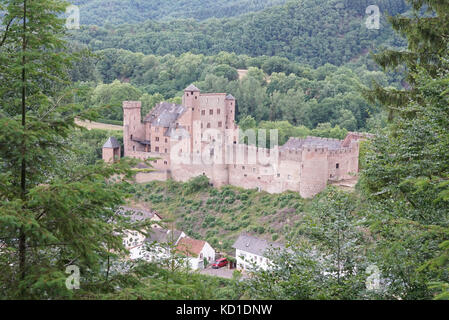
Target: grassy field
97, 125
220, 215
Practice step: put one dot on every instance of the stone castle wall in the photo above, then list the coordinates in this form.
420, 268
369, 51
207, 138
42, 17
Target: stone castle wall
305, 169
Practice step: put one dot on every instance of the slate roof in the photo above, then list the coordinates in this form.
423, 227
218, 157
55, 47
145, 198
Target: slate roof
112, 143
190, 247
163, 236
298, 143
192, 88
137, 214
165, 114
230, 97
254, 245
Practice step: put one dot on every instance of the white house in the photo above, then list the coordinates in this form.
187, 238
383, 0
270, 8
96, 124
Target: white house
251, 252
157, 245
196, 251
133, 238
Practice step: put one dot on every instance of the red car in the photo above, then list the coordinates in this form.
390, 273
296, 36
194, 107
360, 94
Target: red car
220, 263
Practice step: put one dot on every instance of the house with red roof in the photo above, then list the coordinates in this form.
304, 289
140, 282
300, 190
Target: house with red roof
197, 252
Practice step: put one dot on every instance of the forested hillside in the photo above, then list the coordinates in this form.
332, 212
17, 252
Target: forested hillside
274, 89
99, 12
309, 31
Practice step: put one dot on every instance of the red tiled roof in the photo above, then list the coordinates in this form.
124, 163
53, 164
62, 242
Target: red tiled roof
190, 247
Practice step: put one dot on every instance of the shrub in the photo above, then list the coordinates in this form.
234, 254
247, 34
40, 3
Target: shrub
196, 184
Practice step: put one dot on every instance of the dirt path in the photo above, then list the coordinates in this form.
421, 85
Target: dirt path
97, 125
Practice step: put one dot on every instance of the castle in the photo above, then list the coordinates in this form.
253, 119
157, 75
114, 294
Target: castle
200, 137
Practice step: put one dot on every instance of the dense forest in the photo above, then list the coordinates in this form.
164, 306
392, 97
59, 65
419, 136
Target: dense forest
274, 89
97, 12
307, 73
308, 31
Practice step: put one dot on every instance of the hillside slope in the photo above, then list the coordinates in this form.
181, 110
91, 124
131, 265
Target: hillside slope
99, 12
308, 31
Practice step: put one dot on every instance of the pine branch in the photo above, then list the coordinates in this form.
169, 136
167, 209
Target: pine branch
6, 31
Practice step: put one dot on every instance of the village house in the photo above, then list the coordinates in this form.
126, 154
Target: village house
134, 238
197, 252
162, 244
200, 137
251, 252
157, 245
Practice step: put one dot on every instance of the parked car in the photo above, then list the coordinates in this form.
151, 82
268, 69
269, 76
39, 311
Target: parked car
220, 263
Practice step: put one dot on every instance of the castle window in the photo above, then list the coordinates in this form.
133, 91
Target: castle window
211, 111
196, 97
245, 175
219, 124
165, 140
254, 169
289, 177
165, 162
193, 109
337, 166
157, 149
203, 112
179, 138
243, 167
192, 93
279, 175
134, 148
157, 138
218, 111
187, 94
208, 125
166, 151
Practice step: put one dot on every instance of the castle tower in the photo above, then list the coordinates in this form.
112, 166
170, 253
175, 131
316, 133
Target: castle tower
191, 100
230, 117
133, 129
111, 150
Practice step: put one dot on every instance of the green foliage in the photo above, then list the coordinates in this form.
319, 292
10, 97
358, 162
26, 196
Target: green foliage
196, 184
119, 11
308, 31
406, 166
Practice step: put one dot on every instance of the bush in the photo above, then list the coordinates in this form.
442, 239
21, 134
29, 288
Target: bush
274, 237
196, 184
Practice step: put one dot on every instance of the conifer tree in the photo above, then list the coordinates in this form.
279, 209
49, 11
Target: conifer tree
51, 215
427, 33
